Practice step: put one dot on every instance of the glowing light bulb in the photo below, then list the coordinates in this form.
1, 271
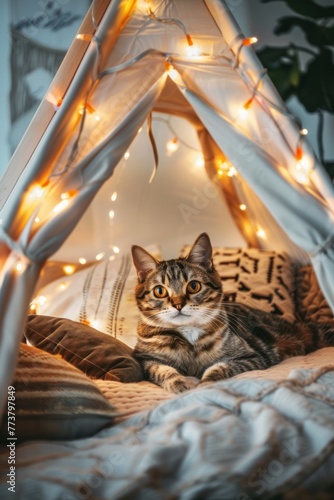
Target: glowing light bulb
68, 269
242, 207
143, 4
63, 286
193, 51
249, 41
67, 195
85, 322
232, 171
85, 37
97, 324
19, 267
115, 249
199, 161
88, 107
172, 72
35, 193
126, 155
302, 169
172, 145
111, 214
97, 117
261, 232
220, 172
82, 260
37, 219
55, 101
114, 196
65, 200
61, 206
243, 113
41, 300
100, 256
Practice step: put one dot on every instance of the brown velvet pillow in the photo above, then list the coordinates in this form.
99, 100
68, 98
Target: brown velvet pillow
98, 355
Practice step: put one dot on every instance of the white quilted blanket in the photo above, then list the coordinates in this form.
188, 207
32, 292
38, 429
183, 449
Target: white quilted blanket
239, 439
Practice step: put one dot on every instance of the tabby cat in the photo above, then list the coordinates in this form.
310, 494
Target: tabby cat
188, 335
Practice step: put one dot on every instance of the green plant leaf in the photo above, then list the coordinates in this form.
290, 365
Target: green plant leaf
315, 34
283, 68
316, 89
307, 8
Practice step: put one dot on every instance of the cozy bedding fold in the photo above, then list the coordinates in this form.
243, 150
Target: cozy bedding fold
253, 436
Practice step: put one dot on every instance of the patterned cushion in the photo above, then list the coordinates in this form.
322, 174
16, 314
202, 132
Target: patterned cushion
101, 296
54, 400
258, 278
310, 301
98, 355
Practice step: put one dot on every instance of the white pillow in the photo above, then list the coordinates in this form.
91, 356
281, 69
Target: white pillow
101, 295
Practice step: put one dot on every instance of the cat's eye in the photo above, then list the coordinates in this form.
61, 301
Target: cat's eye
160, 292
194, 286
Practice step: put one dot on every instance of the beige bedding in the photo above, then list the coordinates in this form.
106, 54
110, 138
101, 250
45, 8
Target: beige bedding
134, 397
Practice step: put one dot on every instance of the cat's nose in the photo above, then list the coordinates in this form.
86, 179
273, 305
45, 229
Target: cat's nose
178, 302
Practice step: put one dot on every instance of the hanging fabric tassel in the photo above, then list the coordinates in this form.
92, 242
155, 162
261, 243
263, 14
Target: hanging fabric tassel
154, 147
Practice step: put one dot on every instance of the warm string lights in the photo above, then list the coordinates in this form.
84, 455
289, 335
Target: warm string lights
226, 168
245, 42
191, 50
303, 163
37, 193
172, 145
243, 111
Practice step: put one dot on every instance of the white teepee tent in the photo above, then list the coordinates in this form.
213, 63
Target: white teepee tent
186, 58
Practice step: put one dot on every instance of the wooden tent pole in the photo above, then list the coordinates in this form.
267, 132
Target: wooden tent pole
46, 112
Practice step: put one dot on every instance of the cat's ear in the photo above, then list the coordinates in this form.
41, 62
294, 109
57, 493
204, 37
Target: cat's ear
201, 252
143, 261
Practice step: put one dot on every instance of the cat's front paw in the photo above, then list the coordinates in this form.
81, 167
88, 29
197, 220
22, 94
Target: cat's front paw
214, 373
180, 384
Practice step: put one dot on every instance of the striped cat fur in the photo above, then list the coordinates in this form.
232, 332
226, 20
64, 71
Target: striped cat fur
187, 335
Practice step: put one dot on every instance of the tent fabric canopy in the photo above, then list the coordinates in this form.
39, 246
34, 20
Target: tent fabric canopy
143, 57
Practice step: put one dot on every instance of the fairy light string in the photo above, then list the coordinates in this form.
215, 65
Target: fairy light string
245, 42
98, 74
170, 20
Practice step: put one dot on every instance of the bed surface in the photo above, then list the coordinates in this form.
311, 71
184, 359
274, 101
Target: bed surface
261, 434
254, 436
135, 397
